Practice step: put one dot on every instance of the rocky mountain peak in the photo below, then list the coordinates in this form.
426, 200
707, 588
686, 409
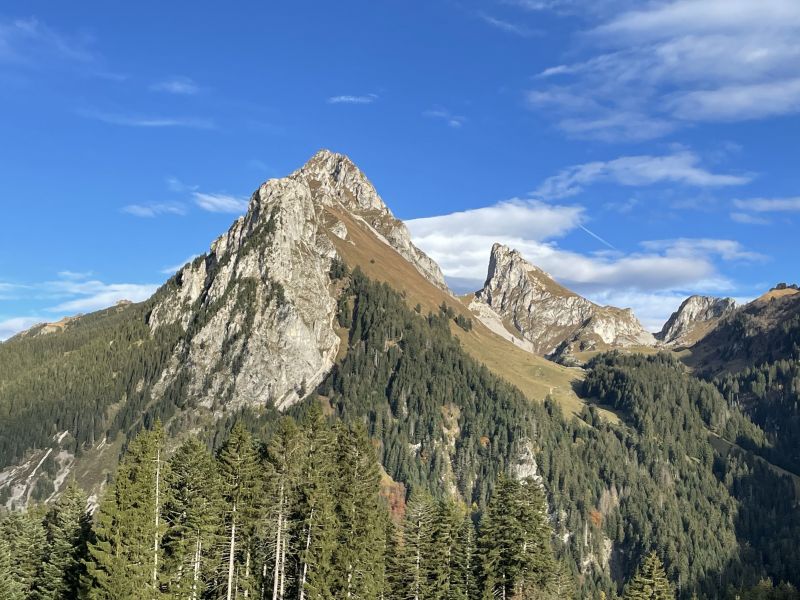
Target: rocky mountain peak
695, 317
258, 309
551, 318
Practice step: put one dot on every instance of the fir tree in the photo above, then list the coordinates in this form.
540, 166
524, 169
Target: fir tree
10, 587
650, 582
68, 527
315, 509
124, 559
515, 541
358, 558
25, 540
192, 516
241, 492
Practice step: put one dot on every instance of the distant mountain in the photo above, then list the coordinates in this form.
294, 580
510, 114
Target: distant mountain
695, 317
551, 319
764, 330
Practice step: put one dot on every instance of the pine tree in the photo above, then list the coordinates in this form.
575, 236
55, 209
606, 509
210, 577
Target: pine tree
650, 582
25, 540
68, 527
279, 531
515, 541
10, 587
315, 509
241, 491
124, 559
358, 559
418, 550
192, 517
465, 562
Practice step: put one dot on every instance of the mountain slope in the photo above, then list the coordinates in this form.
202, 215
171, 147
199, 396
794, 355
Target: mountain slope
555, 321
764, 330
695, 317
249, 324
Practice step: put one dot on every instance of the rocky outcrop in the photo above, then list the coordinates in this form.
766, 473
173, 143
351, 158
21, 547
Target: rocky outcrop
695, 317
556, 321
258, 309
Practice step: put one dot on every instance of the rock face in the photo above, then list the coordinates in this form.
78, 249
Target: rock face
695, 317
556, 321
258, 308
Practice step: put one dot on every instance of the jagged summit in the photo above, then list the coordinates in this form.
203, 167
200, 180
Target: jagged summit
695, 317
554, 320
258, 309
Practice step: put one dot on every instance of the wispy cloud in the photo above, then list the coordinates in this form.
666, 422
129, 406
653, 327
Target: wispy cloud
130, 120
351, 99
766, 205
176, 85
445, 115
748, 219
29, 42
682, 168
171, 270
72, 292
220, 203
14, 325
660, 65
507, 26
155, 209
667, 270
176, 185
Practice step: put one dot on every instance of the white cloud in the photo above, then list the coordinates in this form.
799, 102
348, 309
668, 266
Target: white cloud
177, 267
667, 63
94, 295
690, 247
176, 185
127, 120
155, 209
445, 115
644, 170
176, 85
29, 41
748, 219
353, 99
12, 326
739, 102
666, 270
220, 203
763, 205
507, 26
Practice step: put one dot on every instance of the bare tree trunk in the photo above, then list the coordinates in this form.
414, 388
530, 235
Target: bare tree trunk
196, 574
157, 511
305, 560
231, 554
278, 545
283, 568
247, 574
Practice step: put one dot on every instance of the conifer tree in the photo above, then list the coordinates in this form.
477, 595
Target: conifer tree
284, 458
650, 581
192, 517
418, 547
124, 559
515, 541
358, 558
465, 562
315, 509
67, 527
241, 491
10, 587
25, 540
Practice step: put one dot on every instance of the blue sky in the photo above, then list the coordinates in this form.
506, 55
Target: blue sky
638, 151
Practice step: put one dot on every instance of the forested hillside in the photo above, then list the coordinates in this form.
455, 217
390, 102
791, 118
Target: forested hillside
447, 429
